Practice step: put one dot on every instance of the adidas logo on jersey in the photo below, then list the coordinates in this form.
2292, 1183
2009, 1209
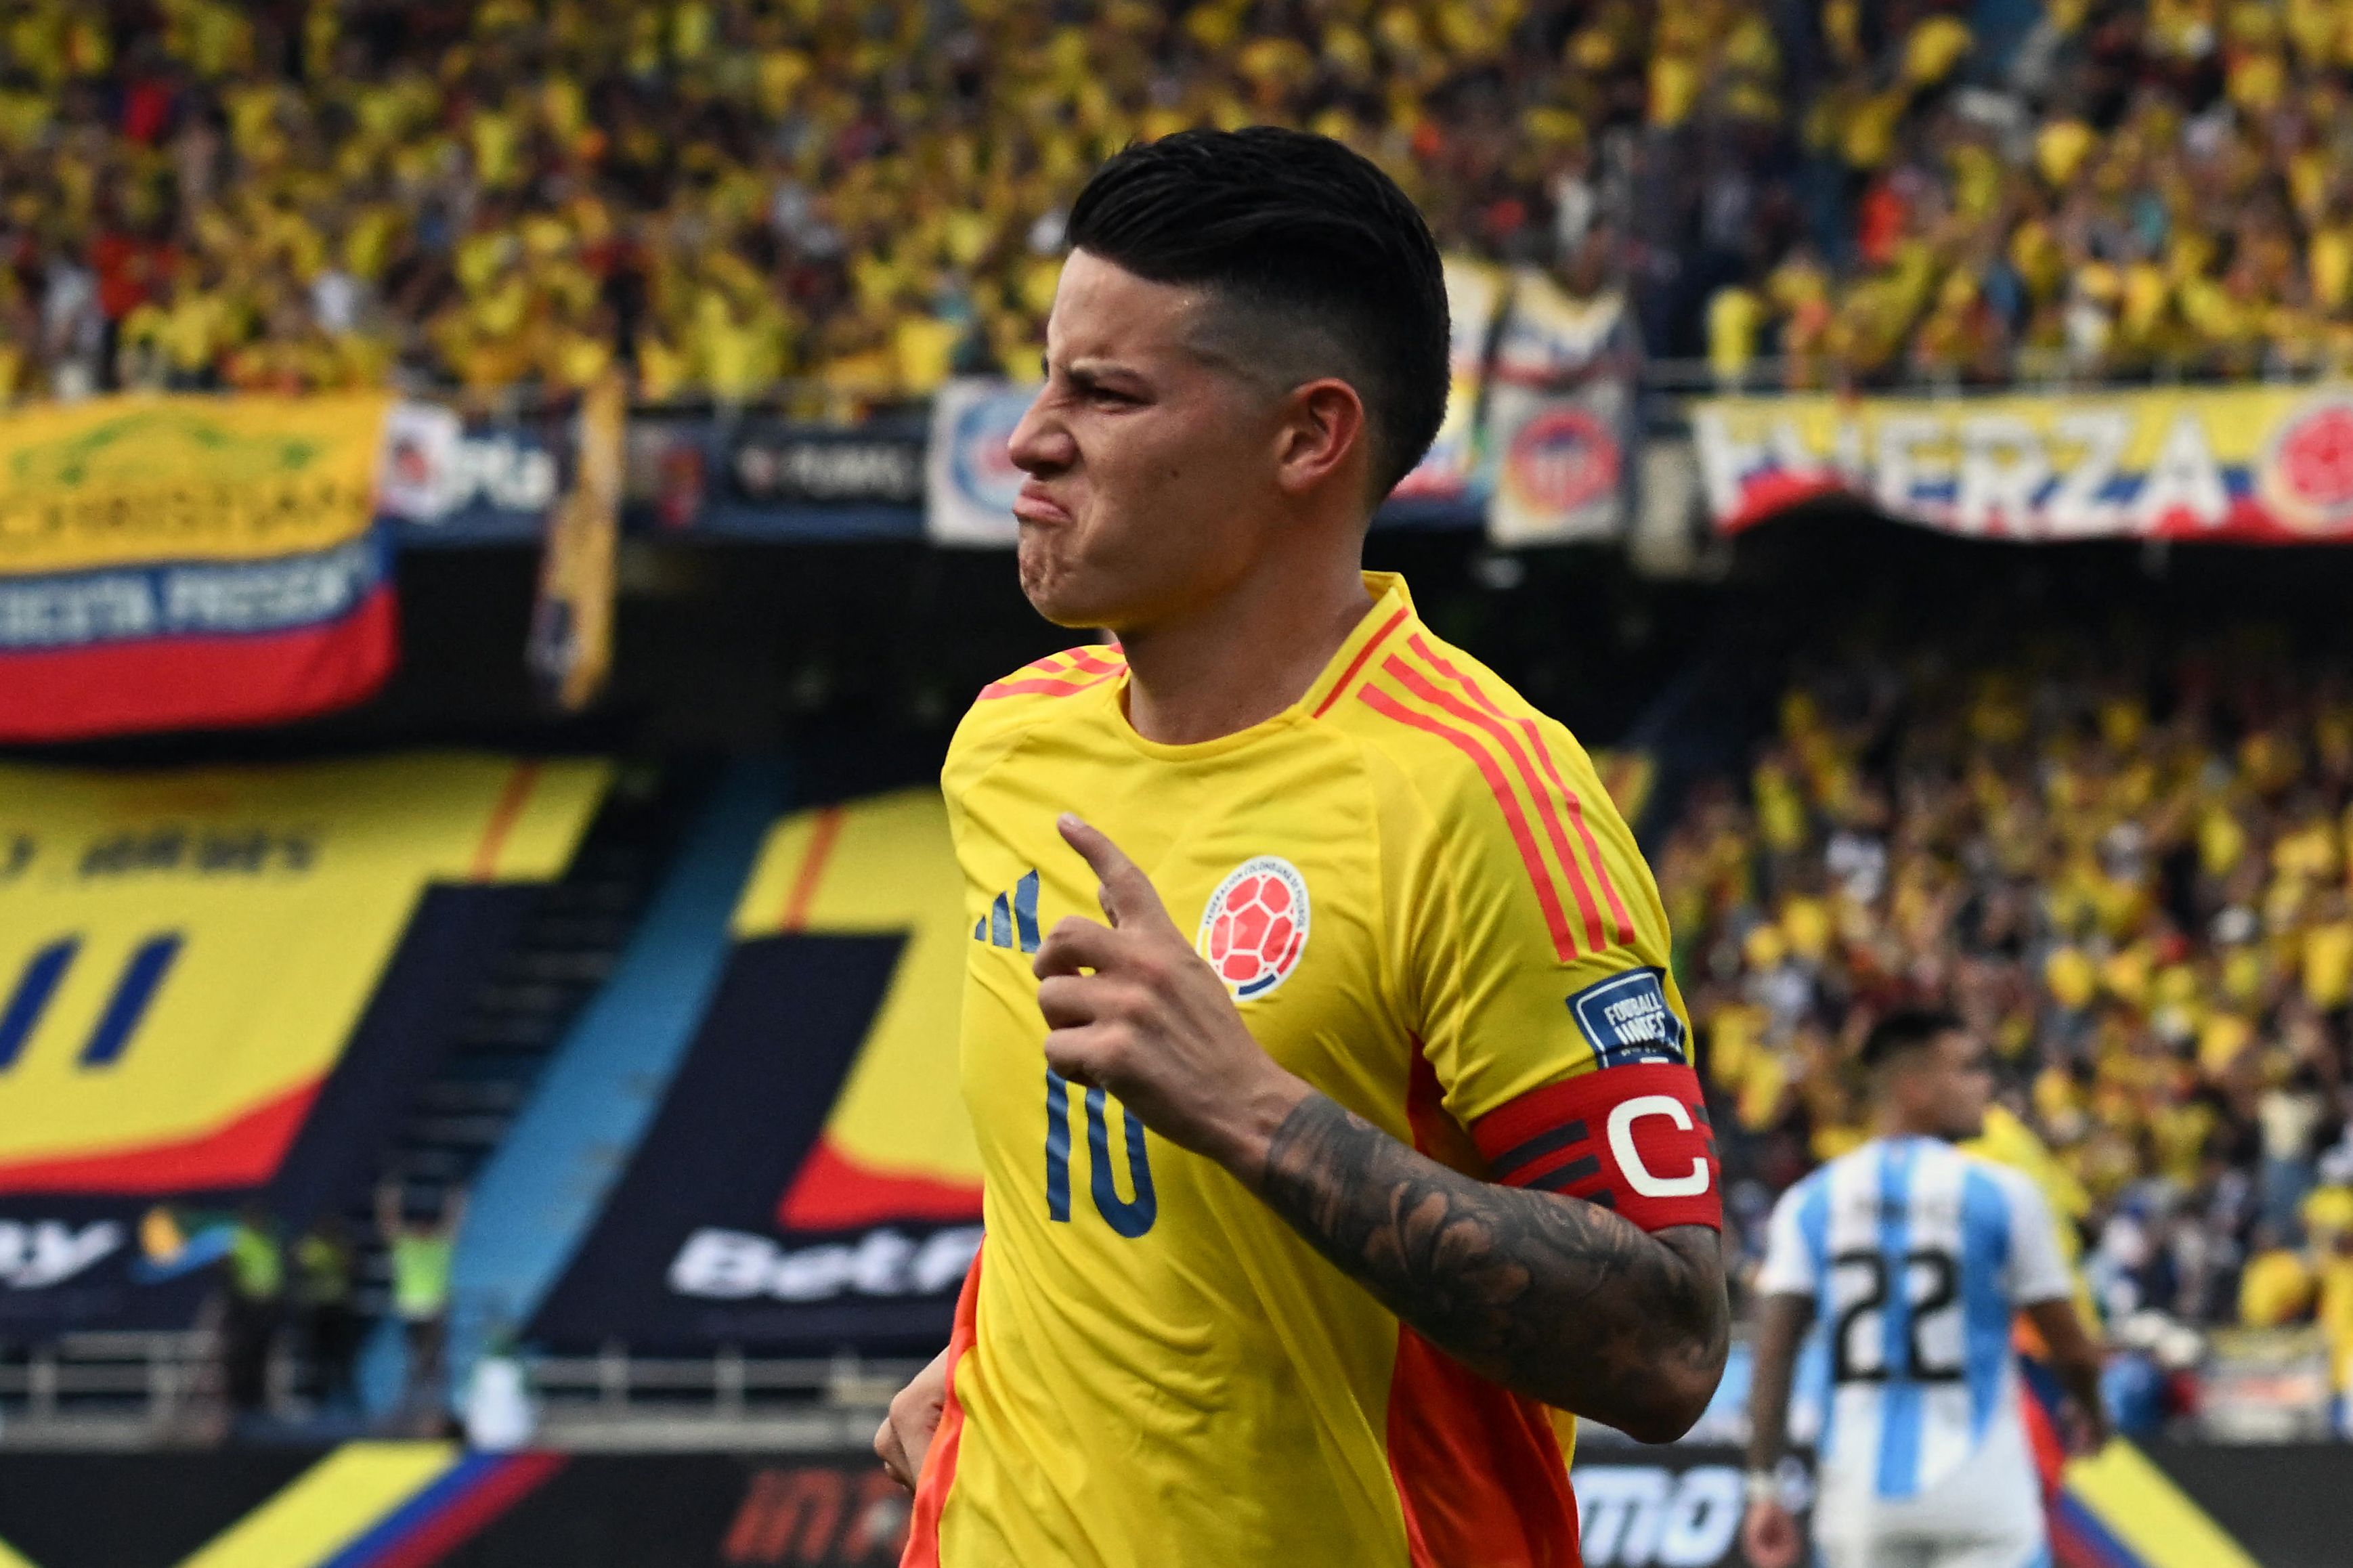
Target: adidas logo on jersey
1012, 920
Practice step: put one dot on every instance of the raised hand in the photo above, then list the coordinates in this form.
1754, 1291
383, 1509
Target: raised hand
1134, 1010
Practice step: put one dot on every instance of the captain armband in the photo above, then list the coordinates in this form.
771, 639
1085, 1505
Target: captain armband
1633, 1138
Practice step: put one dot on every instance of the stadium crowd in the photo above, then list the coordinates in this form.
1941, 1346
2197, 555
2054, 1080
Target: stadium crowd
729, 197
2116, 188
723, 195
2143, 906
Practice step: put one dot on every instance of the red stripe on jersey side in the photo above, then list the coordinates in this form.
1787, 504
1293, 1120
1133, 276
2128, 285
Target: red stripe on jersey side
1358, 663
1435, 1131
1564, 942
1478, 1468
1479, 1471
932, 1487
1543, 757
1412, 679
1037, 687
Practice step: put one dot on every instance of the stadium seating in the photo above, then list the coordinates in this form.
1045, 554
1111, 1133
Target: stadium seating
747, 199
722, 195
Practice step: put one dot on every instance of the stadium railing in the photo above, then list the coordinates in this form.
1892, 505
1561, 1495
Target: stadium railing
138, 1389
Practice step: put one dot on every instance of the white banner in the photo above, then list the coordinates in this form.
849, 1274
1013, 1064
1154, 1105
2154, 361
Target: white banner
433, 469
1550, 334
969, 479
1559, 467
417, 479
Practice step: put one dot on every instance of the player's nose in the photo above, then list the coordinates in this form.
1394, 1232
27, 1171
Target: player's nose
1040, 444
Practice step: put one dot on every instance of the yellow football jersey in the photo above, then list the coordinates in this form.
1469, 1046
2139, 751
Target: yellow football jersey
1425, 906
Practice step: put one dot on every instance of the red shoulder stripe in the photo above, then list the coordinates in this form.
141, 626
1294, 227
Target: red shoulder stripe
1544, 757
1380, 701
1584, 835
1088, 659
1358, 663
996, 688
1412, 679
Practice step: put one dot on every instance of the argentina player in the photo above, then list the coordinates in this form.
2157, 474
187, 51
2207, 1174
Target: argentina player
1916, 1258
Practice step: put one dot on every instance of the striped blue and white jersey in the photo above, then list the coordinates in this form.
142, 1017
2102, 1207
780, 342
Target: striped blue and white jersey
1917, 1257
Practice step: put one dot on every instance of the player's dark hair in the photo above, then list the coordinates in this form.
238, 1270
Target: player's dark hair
1303, 230
1904, 1031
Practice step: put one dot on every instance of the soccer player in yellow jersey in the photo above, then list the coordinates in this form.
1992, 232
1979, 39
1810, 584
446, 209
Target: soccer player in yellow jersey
1357, 1137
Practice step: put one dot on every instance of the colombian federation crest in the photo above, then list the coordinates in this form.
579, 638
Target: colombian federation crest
2305, 473
1254, 927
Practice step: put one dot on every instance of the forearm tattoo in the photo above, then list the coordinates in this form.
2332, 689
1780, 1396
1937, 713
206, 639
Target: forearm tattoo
1550, 1296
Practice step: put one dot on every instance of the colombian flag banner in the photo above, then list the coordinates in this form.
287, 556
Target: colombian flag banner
2261, 464
177, 563
221, 985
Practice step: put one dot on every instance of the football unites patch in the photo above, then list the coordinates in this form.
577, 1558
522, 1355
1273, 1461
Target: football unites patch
1626, 1019
1254, 927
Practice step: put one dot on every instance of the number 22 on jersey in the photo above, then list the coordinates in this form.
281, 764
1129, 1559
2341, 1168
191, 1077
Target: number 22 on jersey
1928, 1281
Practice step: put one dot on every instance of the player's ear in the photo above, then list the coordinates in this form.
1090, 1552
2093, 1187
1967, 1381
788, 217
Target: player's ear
1322, 433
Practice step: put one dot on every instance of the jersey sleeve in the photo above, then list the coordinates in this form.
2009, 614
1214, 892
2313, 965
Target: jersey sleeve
1536, 959
2037, 1270
1006, 710
1790, 1268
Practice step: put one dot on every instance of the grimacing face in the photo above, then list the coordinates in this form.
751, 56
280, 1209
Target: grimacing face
1150, 460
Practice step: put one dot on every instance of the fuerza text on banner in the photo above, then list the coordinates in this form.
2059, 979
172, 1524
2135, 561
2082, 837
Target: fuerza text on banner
2252, 463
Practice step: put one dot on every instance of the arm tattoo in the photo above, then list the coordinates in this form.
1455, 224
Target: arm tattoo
1552, 1297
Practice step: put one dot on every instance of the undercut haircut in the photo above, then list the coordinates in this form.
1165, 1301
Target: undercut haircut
1905, 1032
1318, 265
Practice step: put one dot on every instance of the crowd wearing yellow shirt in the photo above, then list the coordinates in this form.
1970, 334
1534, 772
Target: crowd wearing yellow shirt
847, 201
2111, 189
840, 201
2133, 879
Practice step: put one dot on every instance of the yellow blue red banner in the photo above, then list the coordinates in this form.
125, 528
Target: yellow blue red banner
204, 997
2254, 463
170, 562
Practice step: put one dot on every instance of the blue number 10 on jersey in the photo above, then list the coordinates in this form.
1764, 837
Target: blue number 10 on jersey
1131, 1217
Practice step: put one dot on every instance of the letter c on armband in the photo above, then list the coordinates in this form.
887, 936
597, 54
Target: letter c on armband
1639, 1175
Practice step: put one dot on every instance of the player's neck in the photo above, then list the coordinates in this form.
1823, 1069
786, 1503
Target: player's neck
1894, 1123
1242, 659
